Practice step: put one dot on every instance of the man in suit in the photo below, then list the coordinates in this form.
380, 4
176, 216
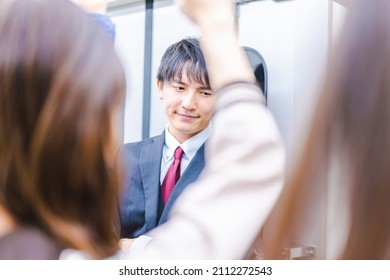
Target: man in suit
187, 98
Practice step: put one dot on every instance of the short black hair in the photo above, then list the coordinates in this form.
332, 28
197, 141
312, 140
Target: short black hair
259, 74
185, 54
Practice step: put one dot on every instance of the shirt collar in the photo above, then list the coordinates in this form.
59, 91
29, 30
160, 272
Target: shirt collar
190, 146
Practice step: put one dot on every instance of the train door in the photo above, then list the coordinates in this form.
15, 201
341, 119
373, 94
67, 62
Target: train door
293, 37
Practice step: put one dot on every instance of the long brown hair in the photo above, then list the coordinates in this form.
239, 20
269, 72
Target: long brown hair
60, 84
351, 124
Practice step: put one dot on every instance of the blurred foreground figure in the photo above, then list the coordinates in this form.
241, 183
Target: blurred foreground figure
57, 130
348, 144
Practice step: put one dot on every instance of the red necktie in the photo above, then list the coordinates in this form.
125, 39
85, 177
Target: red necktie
172, 176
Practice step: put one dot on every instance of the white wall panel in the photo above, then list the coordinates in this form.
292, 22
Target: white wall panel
270, 28
129, 43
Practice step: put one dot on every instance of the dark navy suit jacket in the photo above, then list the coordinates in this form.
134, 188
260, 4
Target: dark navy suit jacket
141, 205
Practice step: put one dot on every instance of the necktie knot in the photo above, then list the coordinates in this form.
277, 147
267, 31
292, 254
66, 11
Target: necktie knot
178, 153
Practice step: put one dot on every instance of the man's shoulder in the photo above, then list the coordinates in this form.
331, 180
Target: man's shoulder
132, 151
134, 146
142, 142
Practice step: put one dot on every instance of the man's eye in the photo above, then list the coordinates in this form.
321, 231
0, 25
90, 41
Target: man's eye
206, 93
179, 88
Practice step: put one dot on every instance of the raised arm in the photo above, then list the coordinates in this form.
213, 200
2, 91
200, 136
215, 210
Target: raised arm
220, 215
226, 61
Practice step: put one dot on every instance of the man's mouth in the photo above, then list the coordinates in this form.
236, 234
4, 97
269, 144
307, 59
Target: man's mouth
187, 116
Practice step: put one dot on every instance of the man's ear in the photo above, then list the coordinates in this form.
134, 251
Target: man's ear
160, 88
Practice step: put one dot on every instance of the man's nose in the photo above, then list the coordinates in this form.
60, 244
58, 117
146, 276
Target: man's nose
189, 100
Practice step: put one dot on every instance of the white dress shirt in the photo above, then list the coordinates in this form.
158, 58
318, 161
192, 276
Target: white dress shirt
190, 147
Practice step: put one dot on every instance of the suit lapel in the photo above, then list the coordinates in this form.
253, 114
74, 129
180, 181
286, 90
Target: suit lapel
150, 162
190, 175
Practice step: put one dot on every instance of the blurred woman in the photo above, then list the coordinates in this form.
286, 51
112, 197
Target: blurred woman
348, 143
61, 85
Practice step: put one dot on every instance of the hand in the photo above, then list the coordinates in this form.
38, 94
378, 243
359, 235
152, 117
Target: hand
219, 41
96, 6
204, 11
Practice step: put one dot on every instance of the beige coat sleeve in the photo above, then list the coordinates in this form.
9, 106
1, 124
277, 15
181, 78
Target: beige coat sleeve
219, 216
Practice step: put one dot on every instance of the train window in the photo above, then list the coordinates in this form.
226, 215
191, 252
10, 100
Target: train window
259, 68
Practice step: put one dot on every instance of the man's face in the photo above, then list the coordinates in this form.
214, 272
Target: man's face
188, 105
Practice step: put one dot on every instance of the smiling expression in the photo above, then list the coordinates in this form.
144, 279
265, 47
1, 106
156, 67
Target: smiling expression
188, 106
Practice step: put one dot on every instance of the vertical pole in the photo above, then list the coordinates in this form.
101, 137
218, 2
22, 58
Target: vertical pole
147, 68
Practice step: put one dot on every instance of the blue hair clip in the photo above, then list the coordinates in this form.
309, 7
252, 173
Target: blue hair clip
106, 23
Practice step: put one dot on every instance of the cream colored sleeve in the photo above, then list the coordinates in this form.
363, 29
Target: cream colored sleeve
219, 216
